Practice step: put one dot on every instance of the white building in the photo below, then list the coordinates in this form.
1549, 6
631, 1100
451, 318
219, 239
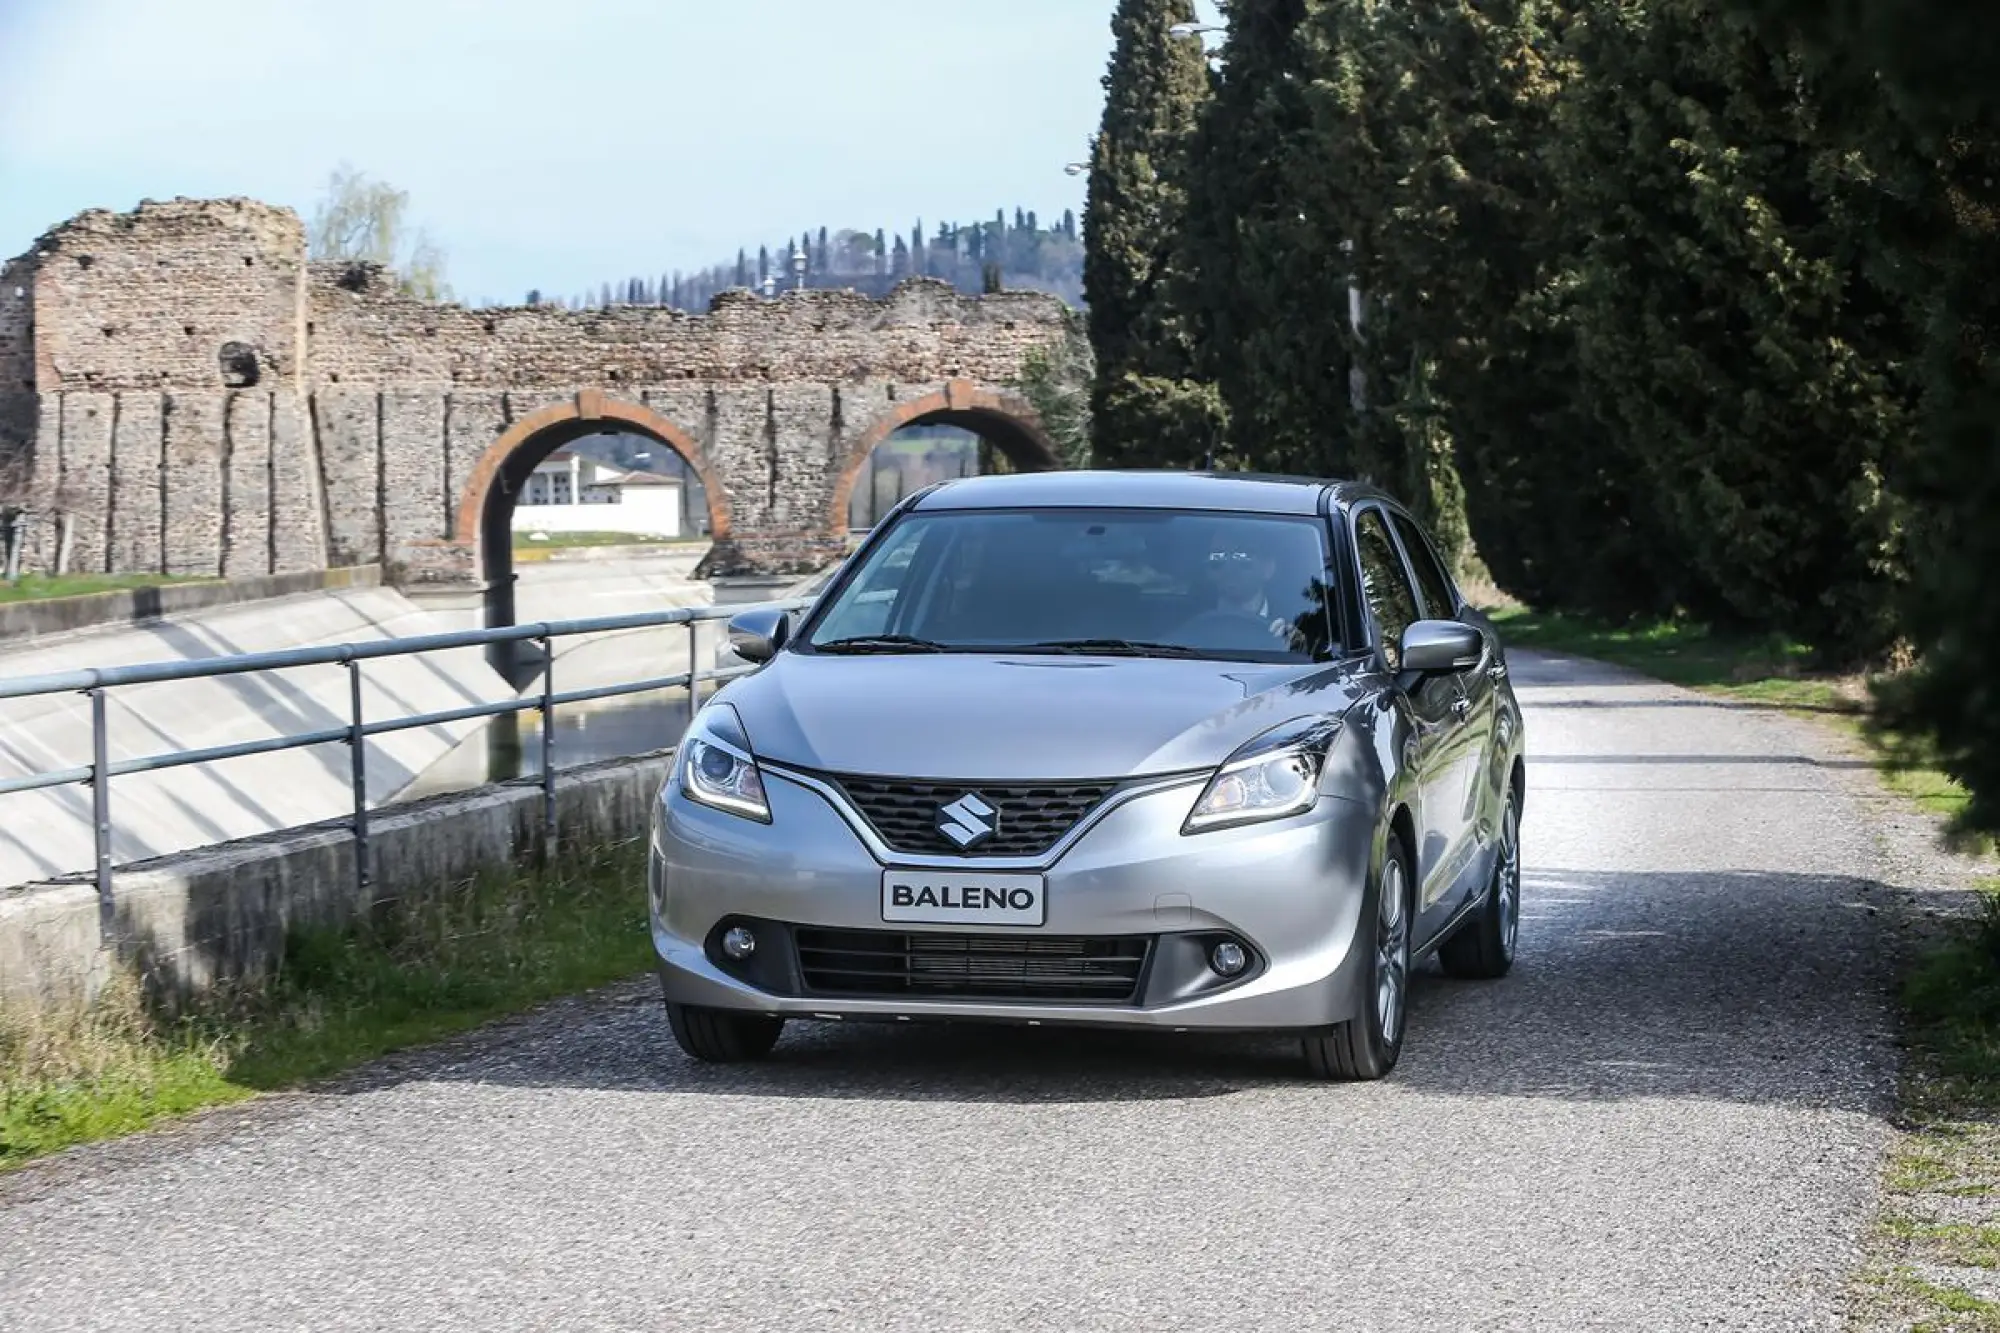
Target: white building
571, 493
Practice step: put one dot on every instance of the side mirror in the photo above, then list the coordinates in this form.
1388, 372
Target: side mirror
1431, 646
757, 635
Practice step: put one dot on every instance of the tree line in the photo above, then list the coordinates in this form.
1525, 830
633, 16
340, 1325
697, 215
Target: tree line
1654, 307
1019, 252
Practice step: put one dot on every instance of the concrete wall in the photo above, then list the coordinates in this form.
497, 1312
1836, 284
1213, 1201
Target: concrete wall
48, 833
193, 921
204, 400
21, 621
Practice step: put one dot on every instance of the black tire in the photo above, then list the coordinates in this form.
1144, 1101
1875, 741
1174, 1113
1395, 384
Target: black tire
723, 1036
1368, 1045
1482, 949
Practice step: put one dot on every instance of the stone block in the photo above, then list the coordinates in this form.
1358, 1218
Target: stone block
84, 442
346, 424
196, 457
298, 514
247, 546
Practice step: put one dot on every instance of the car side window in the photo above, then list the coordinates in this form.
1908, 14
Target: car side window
1431, 580
1383, 581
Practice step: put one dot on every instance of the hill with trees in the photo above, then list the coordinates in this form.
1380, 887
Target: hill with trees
1017, 252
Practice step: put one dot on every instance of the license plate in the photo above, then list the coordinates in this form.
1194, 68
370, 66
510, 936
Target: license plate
950, 897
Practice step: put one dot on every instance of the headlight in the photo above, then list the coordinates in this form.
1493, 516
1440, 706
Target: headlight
1272, 776
716, 768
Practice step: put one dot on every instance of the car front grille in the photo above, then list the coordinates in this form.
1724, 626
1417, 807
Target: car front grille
1053, 969
1028, 820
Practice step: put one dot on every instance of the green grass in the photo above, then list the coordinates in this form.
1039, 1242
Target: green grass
1946, 1157
559, 540
1952, 996
41, 587
438, 965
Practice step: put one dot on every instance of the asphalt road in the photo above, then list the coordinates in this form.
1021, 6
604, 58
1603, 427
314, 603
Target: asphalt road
1669, 1117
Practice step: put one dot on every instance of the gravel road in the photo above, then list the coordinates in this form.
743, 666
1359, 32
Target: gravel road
1670, 1116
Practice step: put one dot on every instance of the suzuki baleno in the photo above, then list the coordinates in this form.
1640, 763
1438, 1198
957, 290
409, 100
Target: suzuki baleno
1168, 751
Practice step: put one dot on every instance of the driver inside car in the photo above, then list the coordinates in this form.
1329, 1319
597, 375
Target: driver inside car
1239, 571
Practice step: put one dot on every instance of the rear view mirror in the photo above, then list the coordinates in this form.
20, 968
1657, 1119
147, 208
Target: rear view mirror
1441, 646
757, 635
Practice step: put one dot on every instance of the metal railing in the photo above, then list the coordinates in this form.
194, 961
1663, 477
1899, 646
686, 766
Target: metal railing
97, 683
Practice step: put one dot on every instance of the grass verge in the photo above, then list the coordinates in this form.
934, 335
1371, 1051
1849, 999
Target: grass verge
548, 541
427, 969
41, 587
1937, 1245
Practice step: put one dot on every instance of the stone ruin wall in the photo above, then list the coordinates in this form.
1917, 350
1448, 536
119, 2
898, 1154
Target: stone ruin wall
206, 401
17, 380
167, 392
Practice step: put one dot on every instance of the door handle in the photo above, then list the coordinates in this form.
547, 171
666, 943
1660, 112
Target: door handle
1461, 706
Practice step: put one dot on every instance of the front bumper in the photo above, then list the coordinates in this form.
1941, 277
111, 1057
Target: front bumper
1292, 892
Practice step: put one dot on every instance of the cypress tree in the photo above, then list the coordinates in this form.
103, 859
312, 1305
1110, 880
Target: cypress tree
1738, 359
1439, 115
1268, 304
1145, 407
1923, 68
742, 269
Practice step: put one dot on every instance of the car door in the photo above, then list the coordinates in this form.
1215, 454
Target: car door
1478, 715
1435, 704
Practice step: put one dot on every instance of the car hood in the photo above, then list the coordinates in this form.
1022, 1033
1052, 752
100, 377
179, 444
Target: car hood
1020, 718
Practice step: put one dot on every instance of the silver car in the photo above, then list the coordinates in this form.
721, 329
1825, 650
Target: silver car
1168, 751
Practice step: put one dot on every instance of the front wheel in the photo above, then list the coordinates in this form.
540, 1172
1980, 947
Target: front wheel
1368, 1045
723, 1036
1483, 948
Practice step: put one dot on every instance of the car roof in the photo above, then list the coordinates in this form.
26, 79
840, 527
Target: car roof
1249, 492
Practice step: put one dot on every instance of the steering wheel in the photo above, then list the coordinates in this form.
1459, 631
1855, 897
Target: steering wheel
1234, 625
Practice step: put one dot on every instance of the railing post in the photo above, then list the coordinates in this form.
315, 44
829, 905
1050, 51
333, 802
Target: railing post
100, 814
357, 748
694, 669
548, 748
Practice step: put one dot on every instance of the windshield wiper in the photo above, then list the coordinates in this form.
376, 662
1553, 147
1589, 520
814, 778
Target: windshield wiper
1111, 648
880, 643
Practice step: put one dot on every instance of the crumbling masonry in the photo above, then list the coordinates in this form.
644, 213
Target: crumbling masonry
198, 399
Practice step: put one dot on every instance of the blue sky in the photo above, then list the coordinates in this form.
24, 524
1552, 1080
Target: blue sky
556, 143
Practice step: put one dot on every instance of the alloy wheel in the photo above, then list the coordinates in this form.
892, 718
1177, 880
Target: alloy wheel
1392, 937
1508, 876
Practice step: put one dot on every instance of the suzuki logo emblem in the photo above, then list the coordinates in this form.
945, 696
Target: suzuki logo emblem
968, 821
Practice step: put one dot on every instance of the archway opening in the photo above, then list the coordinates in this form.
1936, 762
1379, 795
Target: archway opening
933, 443
594, 472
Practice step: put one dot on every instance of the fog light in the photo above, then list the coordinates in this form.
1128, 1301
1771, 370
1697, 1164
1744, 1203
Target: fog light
1228, 958
739, 943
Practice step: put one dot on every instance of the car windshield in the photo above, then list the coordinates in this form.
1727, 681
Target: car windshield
1128, 582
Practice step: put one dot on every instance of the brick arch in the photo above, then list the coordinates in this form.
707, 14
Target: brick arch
1009, 422
551, 427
